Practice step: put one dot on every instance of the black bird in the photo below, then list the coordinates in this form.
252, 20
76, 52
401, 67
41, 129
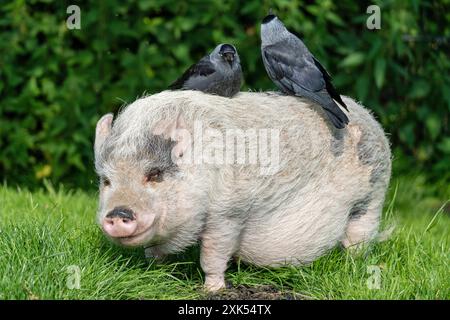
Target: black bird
295, 71
217, 73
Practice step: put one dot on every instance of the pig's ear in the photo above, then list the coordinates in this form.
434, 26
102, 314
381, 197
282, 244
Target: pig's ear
177, 131
102, 130
170, 128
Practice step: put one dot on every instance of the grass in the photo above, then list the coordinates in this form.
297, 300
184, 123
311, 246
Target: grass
47, 236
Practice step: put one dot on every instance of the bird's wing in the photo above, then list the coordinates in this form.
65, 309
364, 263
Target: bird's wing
285, 66
325, 73
330, 88
202, 68
302, 76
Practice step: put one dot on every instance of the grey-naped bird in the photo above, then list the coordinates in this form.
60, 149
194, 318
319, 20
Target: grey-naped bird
218, 73
295, 71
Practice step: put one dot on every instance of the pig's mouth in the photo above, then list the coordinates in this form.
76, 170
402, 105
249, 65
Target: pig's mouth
137, 239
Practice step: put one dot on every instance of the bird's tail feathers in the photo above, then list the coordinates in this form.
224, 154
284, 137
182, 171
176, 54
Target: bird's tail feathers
336, 96
336, 115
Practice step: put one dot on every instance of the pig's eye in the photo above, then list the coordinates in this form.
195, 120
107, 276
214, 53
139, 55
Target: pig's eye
154, 175
106, 182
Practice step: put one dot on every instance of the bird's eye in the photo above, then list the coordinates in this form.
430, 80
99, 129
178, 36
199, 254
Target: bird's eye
105, 182
154, 175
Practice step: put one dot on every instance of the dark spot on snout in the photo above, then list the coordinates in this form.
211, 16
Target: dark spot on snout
121, 212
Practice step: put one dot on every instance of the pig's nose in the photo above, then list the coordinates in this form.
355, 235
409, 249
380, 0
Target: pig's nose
119, 222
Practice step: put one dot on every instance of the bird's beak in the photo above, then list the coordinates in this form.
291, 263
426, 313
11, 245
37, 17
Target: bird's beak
229, 57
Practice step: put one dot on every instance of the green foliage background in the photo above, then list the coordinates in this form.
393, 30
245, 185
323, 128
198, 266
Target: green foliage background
55, 82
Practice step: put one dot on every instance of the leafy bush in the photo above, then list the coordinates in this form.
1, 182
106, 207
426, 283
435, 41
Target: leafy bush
56, 82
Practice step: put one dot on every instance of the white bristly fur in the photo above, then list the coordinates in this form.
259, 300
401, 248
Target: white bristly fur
318, 198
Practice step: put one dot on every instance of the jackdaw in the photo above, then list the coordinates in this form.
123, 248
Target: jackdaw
295, 71
218, 73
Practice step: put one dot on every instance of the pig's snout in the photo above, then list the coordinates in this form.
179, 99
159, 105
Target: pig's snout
120, 222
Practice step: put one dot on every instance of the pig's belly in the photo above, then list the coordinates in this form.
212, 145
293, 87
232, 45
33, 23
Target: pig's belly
291, 236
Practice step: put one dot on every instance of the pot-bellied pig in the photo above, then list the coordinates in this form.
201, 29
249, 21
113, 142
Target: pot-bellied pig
263, 177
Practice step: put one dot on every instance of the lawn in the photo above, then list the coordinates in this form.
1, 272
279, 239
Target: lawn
51, 248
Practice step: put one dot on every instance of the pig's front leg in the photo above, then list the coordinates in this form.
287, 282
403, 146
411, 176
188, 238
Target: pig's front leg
155, 252
219, 242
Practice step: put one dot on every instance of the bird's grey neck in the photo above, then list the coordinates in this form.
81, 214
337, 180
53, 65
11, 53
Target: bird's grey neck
273, 34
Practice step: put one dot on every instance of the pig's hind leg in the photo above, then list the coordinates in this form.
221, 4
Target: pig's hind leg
363, 222
365, 213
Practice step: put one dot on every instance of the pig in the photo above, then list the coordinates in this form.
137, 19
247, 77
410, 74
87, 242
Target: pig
322, 187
